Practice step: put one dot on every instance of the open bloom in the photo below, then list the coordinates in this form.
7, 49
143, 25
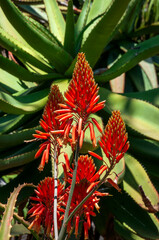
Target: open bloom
87, 177
42, 209
114, 140
81, 100
53, 128
86, 170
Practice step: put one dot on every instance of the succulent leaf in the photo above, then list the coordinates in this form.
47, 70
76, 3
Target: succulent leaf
125, 232
141, 51
145, 148
22, 52
139, 185
17, 138
30, 174
81, 21
124, 208
8, 214
56, 20
150, 71
45, 31
23, 74
10, 122
151, 96
19, 159
30, 103
137, 114
103, 31
97, 8
59, 58
12, 85
69, 41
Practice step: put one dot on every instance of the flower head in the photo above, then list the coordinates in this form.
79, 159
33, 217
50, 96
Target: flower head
42, 210
86, 179
87, 210
86, 170
81, 101
53, 128
114, 140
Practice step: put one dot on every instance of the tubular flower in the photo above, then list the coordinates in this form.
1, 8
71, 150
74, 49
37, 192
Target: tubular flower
86, 170
87, 209
54, 129
81, 100
42, 210
86, 179
114, 140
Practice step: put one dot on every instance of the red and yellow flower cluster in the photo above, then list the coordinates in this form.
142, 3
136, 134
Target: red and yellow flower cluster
42, 210
66, 121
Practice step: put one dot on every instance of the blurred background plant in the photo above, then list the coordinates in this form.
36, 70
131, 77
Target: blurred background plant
39, 43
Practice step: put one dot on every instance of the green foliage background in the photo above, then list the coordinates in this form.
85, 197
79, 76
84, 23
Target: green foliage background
39, 44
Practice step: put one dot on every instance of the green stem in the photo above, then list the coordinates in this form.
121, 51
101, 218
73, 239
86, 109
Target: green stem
65, 221
89, 194
55, 195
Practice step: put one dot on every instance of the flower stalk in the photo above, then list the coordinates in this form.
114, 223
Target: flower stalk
89, 195
55, 176
65, 221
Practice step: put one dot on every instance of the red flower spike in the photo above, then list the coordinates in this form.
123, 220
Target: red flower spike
42, 209
114, 140
81, 99
86, 169
54, 129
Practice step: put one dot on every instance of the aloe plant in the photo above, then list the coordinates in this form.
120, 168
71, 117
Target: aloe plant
125, 63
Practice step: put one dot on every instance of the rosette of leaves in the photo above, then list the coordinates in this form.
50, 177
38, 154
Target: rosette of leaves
124, 58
